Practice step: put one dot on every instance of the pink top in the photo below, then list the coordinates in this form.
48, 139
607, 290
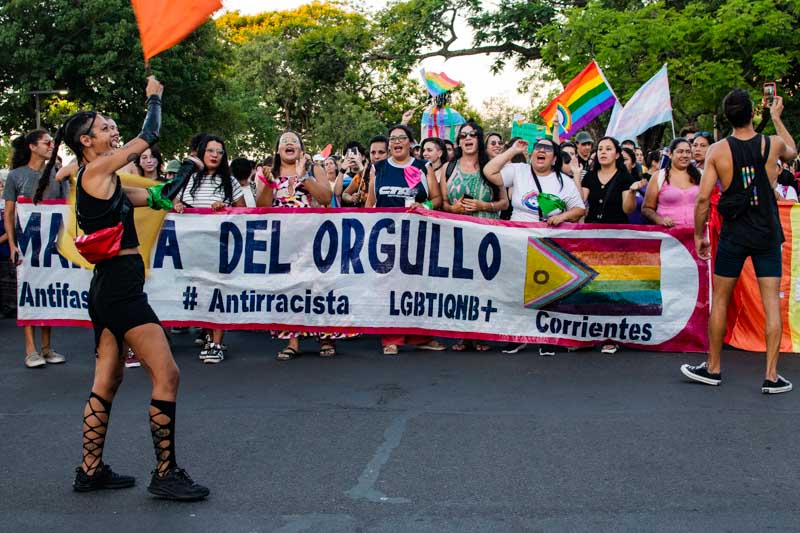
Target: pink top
677, 203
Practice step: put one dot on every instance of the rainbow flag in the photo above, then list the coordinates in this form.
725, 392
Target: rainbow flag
438, 83
585, 97
628, 281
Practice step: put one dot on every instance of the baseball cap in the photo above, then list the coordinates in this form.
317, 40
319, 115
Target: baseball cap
583, 137
173, 166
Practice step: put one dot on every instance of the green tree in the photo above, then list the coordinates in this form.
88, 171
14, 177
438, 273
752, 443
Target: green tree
92, 49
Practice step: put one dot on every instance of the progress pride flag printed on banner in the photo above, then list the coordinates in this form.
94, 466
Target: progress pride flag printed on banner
388, 272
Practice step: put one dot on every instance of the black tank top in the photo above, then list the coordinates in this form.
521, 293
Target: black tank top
760, 226
94, 214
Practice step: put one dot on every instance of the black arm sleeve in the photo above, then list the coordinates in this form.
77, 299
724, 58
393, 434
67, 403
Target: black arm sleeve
174, 186
152, 121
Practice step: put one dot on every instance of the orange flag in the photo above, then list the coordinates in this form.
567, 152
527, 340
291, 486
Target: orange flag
165, 23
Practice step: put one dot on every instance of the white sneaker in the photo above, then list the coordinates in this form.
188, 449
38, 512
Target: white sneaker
131, 361
513, 347
34, 360
212, 354
53, 357
546, 351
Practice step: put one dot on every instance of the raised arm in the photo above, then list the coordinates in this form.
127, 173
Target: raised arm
105, 165
789, 149
495, 166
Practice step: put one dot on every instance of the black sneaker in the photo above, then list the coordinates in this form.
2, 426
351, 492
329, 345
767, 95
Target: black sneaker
103, 478
776, 387
701, 374
177, 485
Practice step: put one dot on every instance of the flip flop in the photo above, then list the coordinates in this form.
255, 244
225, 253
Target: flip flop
327, 350
460, 346
434, 346
390, 349
287, 354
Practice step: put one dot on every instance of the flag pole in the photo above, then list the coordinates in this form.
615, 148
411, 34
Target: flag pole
671, 121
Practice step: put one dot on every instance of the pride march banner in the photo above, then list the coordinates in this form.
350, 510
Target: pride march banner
387, 271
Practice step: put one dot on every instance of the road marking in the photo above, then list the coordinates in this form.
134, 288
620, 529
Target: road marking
365, 488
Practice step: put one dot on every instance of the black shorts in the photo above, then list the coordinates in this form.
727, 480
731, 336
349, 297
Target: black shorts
731, 257
117, 301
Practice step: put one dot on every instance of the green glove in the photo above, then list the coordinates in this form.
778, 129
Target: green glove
155, 200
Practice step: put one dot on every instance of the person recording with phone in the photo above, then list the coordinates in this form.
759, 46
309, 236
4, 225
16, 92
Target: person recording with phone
746, 166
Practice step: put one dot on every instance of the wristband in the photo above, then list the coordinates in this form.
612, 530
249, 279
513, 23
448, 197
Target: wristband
152, 121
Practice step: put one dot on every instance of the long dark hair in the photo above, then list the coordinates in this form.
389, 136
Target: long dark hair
635, 169
223, 171
694, 173
483, 157
157, 154
619, 163
21, 150
70, 132
440, 143
276, 163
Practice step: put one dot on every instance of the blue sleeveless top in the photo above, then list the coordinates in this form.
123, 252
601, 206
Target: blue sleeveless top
393, 183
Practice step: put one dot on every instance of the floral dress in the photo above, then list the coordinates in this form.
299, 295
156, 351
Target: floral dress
288, 193
470, 183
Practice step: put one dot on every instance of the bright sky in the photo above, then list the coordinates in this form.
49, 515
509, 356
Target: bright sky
473, 71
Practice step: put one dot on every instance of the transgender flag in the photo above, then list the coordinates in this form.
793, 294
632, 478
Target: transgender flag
651, 105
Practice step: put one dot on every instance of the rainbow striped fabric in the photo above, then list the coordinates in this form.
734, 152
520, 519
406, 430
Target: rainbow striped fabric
585, 97
438, 83
628, 281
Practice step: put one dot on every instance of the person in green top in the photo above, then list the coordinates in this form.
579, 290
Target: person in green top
465, 189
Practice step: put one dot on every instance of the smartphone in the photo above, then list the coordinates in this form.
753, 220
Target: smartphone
770, 89
351, 152
467, 197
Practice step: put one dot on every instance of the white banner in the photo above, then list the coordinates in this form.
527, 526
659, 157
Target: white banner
388, 271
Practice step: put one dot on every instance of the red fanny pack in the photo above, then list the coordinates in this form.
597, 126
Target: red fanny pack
104, 243
100, 245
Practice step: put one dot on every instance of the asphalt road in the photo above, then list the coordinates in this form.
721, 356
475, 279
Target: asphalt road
422, 442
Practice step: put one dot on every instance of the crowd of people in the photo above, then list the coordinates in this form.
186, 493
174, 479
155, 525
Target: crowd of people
603, 181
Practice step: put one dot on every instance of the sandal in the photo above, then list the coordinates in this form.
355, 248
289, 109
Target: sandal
390, 349
434, 346
287, 353
609, 349
460, 346
327, 350
482, 347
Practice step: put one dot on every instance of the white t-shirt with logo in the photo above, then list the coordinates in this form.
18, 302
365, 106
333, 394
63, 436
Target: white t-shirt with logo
524, 199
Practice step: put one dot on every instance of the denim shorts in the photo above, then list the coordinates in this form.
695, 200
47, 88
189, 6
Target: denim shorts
731, 257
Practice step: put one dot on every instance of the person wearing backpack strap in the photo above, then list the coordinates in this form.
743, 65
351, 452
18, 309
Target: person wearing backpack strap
746, 166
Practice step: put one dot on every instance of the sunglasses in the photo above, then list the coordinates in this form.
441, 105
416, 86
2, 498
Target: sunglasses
544, 147
46, 143
465, 134
495, 143
705, 134
215, 151
288, 140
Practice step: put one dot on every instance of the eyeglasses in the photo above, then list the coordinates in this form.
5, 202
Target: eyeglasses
215, 151
398, 138
544, 147
288, 140
46, 143
465, 134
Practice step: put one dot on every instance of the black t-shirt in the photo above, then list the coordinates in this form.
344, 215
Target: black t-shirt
605, 206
